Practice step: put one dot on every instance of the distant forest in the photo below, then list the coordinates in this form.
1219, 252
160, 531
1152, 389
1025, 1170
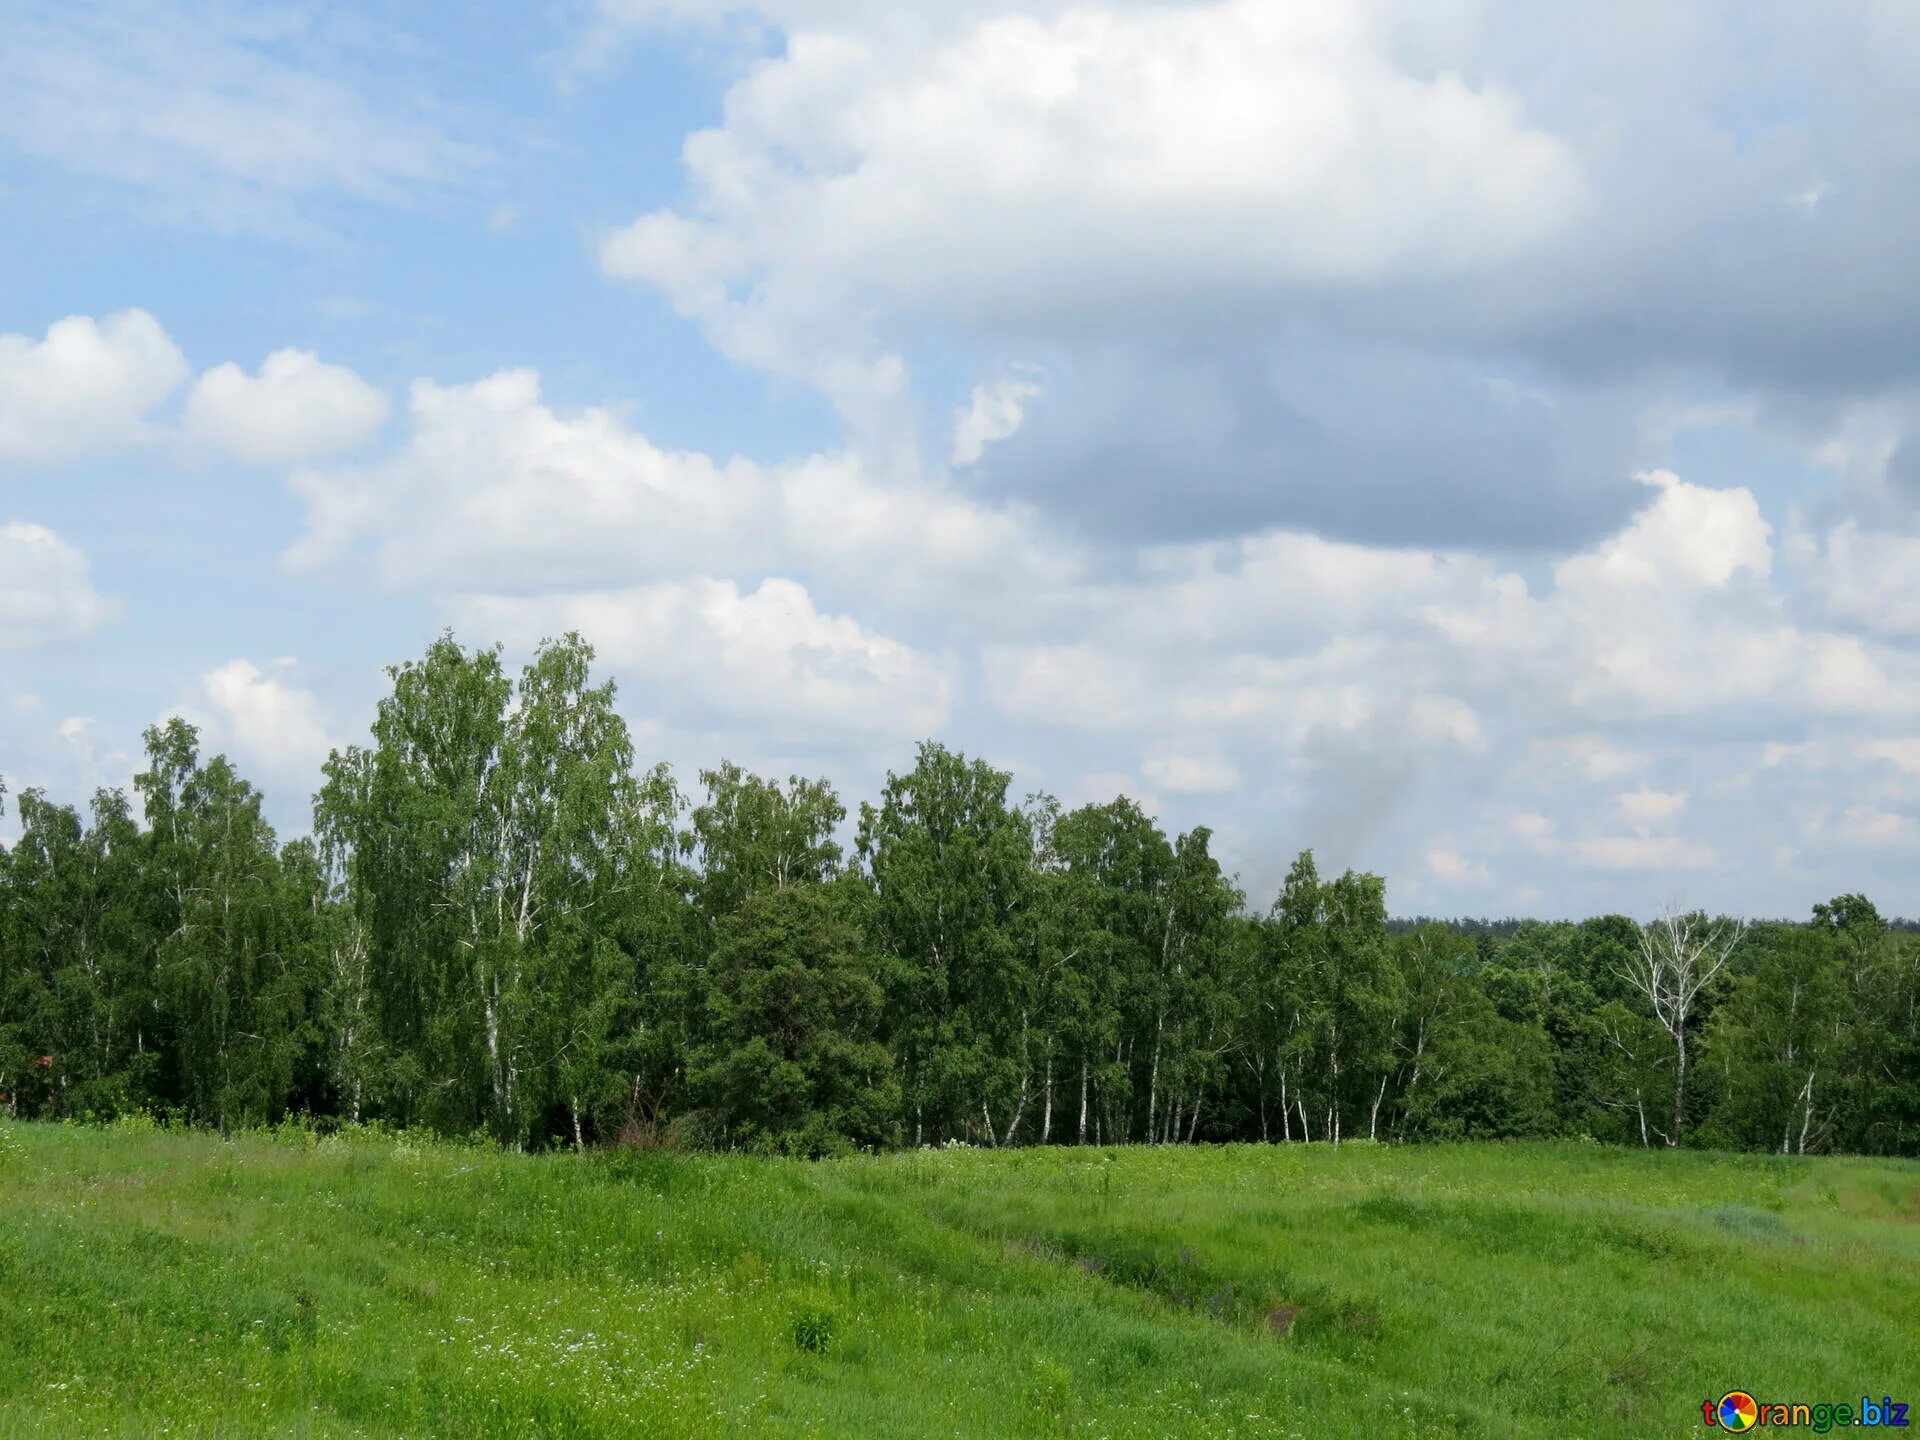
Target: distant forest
502, 924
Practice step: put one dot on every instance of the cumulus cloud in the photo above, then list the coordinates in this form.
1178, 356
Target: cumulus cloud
1643, 852
260, 717
1009, 163
1649, 807
1868, 578
1450, 865
1353, 674
1244, 140
1376, 269
713, 652
87, 386
830, 596
994, 413
1900, 751
1674, 615
1354, 322
1191, 774
1591, 756
1868, 824
1535, 831
492, 480
46, 589
296, 409
1691, 536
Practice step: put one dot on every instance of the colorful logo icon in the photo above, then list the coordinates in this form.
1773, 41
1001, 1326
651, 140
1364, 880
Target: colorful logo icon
1738, 1412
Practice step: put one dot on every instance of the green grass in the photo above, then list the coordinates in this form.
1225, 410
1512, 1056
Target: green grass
161, 1283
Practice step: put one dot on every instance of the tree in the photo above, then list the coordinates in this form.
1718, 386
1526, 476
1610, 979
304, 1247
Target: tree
949, 861
502, 923
1281, 1028
624, 1057
1093, 874
789, 1058
1191, 1034
751, 835
1347, 993
230, 969
1776, 1040
77, 1033
1679, 956
477, 838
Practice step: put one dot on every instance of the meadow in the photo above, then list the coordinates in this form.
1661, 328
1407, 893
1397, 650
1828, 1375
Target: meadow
157, 1282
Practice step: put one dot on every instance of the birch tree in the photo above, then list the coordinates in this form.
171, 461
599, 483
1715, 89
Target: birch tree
751, 835
949, 861
1679, 956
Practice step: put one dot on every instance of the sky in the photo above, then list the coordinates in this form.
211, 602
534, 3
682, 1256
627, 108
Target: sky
1478, 440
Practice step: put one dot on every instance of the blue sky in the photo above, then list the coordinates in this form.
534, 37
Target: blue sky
1461, 437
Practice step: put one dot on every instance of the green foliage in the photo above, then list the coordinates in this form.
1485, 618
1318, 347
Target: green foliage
787, 1054
814, 1329
504, 923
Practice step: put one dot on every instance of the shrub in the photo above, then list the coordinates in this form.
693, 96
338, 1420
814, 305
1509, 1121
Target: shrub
814, 1329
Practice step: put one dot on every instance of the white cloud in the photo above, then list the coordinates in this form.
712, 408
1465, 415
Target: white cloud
1073, 685
993, 413
296, 409
262, 719
1649, 807
1191, 774
845, 593
1450, 865
1534, 830
1690, 537
87, 387
1902, 752
1868, 824
1809, 753
1097, 787
46, 589
1677, 614
1643, 852
1591, 756
1080, 162
493, 481
767, 655
1868, 578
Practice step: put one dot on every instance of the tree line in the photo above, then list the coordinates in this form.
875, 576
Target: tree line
502, 923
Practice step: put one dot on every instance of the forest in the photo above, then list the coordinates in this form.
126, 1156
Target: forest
504, 924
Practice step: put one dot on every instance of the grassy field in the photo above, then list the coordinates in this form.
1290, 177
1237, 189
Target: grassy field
156, 1283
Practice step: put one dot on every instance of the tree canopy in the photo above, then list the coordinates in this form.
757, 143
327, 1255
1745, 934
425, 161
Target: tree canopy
503, 922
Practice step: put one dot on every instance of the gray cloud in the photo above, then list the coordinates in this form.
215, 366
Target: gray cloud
1372, 444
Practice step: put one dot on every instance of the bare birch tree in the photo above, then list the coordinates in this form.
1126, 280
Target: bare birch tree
1678, 957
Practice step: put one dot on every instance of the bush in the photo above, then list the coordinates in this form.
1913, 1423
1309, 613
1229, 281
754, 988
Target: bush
815, 1328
